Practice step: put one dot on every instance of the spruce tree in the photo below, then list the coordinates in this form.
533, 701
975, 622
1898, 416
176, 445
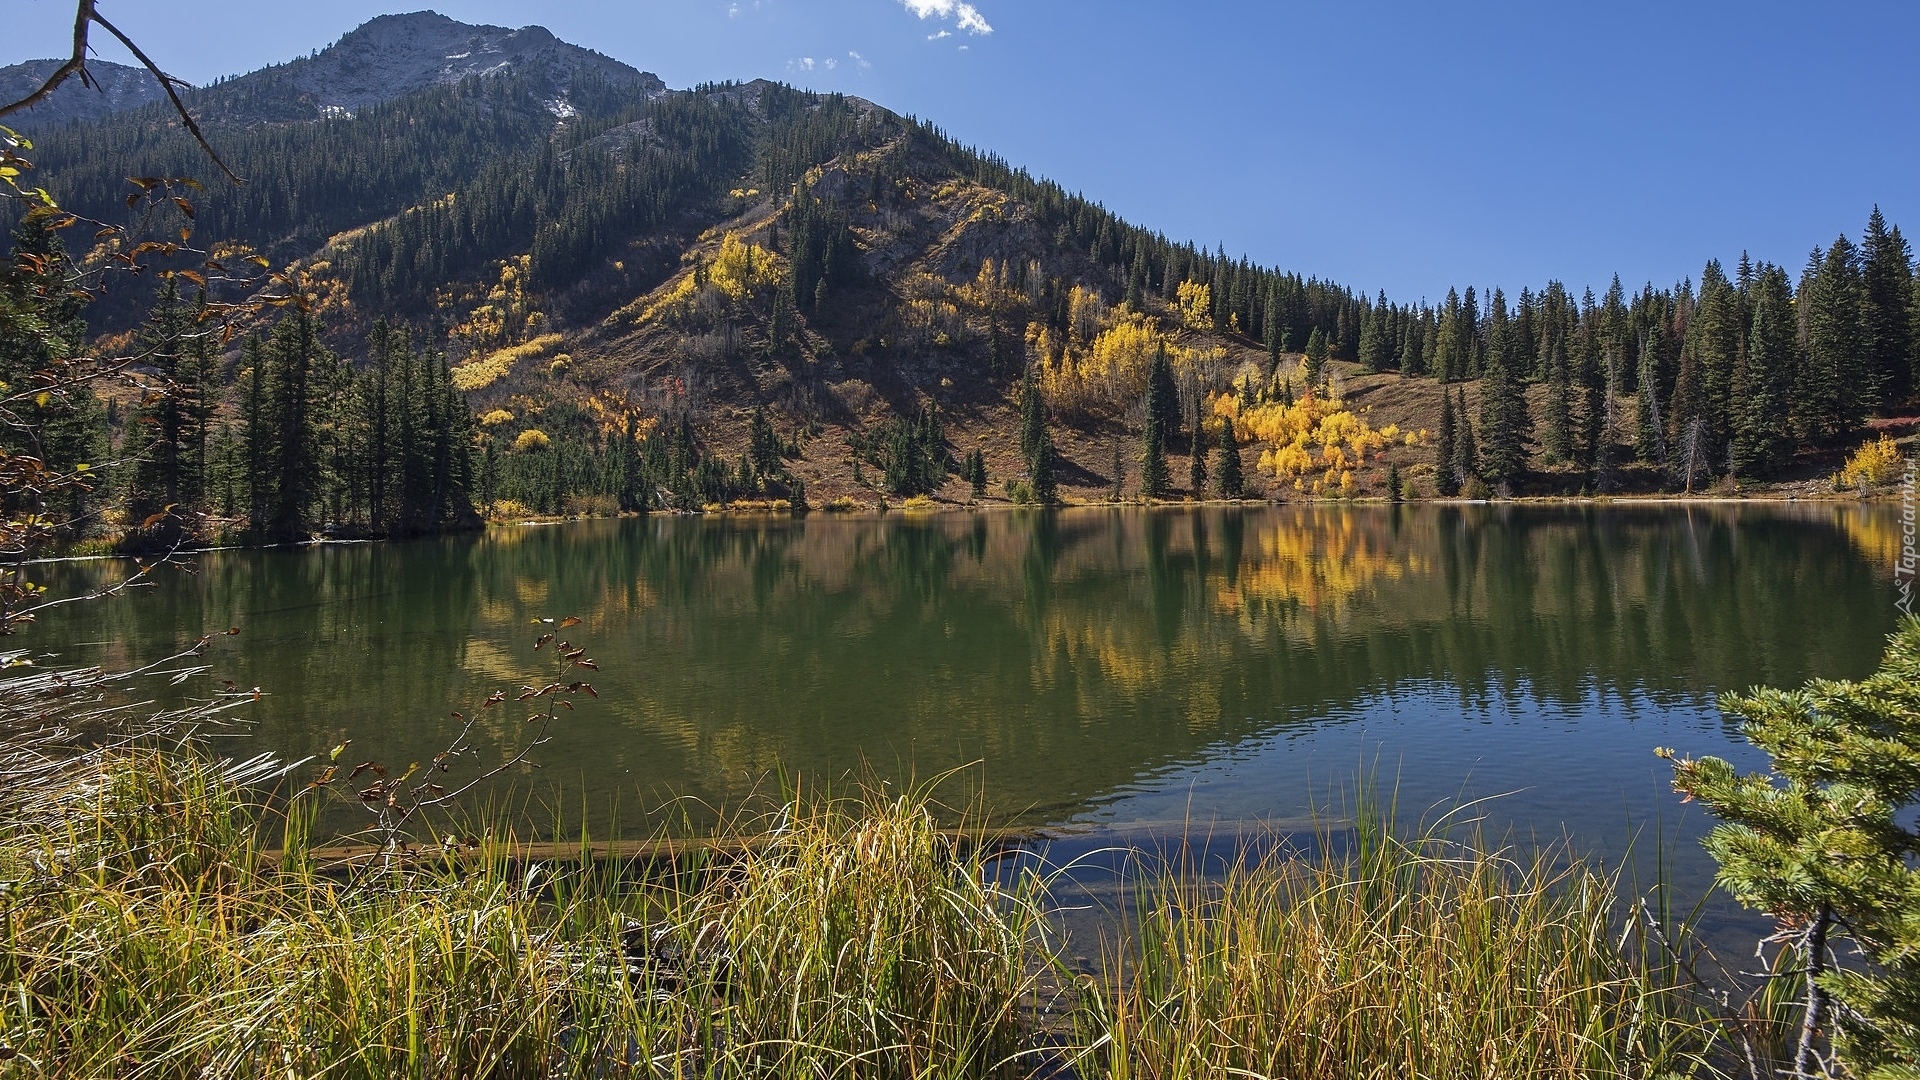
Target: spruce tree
1649, 433
1687, 430
1045, 473
1823, 842
1374, 350
1466, 453
1557, 441
1886, 312
1033, 417
1197, 455
1228, 476
1153, 468
1505, 426
1762, 439
1316, 355
1833, 388
1446, 449
167, 429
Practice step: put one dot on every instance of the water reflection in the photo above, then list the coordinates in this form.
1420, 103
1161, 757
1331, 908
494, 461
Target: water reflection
1099, 662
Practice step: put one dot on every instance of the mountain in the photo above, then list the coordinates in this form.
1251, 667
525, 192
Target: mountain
814, 286
386, 58
120, 88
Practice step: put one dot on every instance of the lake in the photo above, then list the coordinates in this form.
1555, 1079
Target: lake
1111, 672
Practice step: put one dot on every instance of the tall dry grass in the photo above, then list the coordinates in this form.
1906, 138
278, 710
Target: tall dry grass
145, 934
1397, 958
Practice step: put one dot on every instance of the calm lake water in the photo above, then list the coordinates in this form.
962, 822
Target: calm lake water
1113, 670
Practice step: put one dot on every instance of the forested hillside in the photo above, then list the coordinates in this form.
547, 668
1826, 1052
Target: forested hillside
561, 288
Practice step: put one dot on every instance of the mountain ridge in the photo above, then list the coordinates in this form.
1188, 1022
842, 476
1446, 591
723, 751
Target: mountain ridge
383, 59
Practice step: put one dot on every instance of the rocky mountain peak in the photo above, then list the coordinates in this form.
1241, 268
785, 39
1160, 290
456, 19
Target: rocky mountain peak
119, 88
394, 55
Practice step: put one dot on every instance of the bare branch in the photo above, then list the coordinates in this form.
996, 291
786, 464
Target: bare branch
86, 14
75, 65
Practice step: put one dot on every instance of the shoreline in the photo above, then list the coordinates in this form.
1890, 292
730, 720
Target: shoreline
1891, 498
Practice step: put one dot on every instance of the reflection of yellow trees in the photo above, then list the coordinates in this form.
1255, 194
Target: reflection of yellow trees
1319, 562
1878, 536
1297, 574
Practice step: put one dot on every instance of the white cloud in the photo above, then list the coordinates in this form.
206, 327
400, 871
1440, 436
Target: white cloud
941, 34
805, 63
832, 62
858, 59
964, 15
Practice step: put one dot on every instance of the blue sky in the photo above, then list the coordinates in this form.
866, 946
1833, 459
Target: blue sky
1404, 146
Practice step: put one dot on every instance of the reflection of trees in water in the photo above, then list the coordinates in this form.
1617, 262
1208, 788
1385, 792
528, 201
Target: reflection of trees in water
1071, 650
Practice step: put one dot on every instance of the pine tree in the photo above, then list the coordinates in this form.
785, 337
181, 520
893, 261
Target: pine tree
1374, 350
167, 430
1197, 457
1446, 449
1396, 489
1505, 426
1557, 442
1687, 430
1716, 334
1163, 397
1466, 454
1316, 355
1153, 468
1832, 387
1033, 418
1649, 432
1231, 481
1823, 842
1886, 312
1762, 440
1044, 475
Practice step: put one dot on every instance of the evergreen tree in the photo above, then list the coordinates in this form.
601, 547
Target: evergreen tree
1687, 427
1823, 842
763, 444
1716, 335
1761, 442
1197, 457
167, 429
1466, 454
1832, 387
1505, 425
1163, 397
1316, 355
1374, 350
1446, 449
1033, 418
1557, 441
1154, 483
1649, 438
1886, 312
1228, 476
1044, 474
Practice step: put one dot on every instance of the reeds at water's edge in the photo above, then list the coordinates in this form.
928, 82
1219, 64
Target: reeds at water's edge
144, 933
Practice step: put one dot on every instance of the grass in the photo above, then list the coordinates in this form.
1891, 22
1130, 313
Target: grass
1423, 958
145, 932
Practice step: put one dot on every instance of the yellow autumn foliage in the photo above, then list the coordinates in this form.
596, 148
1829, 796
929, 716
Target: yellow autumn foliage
531, 440
495, 418
1315, 434
508, 314
1109, 367
481, 372
737, 271
1875, 463
1194, 303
